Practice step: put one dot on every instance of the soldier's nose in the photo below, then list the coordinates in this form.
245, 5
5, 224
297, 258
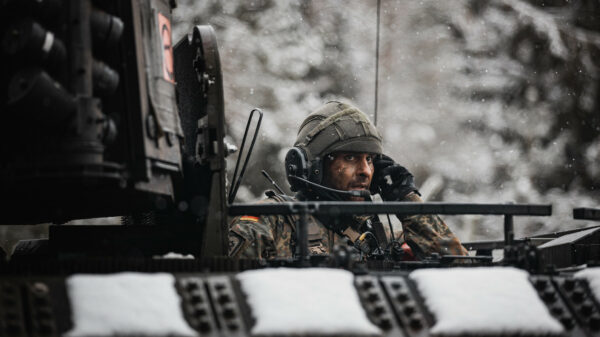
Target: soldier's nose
364, 168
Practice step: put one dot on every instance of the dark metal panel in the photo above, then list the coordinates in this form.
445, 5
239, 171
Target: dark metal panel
571, 249
586, 213
201, 105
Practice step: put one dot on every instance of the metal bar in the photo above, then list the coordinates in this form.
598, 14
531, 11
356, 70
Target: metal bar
586, 213
554, 235
303, 234
536, 240
486, 244
509, 232
499, 244
360, 207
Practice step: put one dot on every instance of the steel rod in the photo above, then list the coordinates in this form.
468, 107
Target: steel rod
360, 207
303, 234
509, 232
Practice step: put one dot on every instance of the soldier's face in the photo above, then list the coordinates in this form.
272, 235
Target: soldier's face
349, 171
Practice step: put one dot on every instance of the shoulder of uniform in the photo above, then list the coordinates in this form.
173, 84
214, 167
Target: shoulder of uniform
251, 218
258, 219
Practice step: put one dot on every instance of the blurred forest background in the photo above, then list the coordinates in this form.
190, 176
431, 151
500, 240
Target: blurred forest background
484, 101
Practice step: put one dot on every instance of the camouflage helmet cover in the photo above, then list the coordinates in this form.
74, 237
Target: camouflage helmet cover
337, 127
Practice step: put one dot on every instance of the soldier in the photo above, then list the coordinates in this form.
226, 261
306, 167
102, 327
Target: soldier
344, 152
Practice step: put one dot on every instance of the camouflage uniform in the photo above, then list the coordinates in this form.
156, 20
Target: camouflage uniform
274, 236
430, 234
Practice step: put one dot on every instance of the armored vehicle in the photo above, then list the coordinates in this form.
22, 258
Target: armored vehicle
108, 117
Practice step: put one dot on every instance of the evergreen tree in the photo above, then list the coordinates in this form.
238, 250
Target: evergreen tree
531, 68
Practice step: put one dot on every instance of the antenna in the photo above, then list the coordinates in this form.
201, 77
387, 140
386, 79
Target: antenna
272, 181
237, 180
377, 63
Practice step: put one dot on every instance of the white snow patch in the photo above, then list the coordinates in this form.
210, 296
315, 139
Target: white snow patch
592, 275
173, 255
480, 301
126, 304
305, 301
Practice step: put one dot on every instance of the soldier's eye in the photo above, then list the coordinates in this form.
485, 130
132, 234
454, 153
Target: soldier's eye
369, 159
349, 157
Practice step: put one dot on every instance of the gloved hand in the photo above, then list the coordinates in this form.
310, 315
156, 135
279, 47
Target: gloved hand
391, 180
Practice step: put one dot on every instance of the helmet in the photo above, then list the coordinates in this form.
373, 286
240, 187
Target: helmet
332, 128
335, 127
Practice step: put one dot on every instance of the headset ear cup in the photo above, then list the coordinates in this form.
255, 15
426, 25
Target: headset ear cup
315, 173
296, 164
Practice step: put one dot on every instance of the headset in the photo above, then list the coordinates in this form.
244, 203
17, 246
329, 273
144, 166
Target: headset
302, 173
298, 166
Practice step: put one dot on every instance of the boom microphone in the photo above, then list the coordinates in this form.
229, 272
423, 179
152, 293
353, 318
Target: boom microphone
358, 193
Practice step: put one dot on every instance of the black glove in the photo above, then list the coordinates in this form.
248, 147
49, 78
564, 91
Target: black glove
391, 180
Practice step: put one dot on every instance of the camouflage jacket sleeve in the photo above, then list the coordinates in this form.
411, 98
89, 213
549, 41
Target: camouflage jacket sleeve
255, 237
427, 234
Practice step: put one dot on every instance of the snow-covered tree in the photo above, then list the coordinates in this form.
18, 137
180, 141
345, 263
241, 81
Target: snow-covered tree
530, 74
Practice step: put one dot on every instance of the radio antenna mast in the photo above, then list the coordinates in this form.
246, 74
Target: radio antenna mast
377, 63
